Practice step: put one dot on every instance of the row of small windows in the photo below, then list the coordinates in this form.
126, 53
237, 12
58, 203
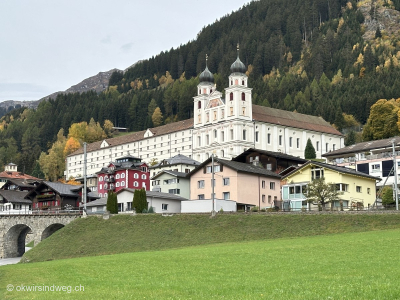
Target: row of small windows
117, 176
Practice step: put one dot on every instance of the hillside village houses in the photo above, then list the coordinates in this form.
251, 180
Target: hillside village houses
221, 126
373, 157
357, 189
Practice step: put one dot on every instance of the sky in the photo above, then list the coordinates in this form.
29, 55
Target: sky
47, 46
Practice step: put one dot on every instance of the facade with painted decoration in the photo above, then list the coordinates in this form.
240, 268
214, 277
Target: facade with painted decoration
223, 126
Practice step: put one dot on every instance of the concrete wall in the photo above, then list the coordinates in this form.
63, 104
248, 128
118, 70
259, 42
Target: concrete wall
204, 206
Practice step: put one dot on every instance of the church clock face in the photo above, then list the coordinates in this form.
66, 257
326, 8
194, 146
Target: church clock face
214, 103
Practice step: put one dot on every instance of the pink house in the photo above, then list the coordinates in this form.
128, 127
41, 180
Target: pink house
247, 184
125, 172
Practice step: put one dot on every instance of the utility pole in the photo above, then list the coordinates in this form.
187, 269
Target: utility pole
395, 176
84, 192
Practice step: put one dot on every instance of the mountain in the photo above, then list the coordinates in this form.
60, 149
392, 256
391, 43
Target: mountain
97, 83
316, 57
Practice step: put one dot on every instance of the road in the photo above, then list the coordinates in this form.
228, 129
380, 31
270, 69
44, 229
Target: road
13, 260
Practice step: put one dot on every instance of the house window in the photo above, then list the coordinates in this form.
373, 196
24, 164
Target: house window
164, 206
269, 199
358, 189
207, 117
123, 183
136, 175
143, 176
174, 191
123, 175
231, 134
317, 144
243, 97
263, 198
257, 136
117, 176
272, 185
199, 104
231, 96
222, 113
199, 118
243, 111
117, 184
215, 133
333, 147
280, 140
376, 167
269, 138
100, 186
290, 142
222, 136
201, 197
215, 115
200, 184
101, 178
207, 139
225, 181
231, 109
244, 134
135, 184
298, 143
263, 184
326, 147
317, 172
199, 141
226, 195
368, 191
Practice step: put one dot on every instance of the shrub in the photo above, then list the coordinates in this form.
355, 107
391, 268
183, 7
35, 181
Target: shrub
254, 209
151, 210
139, 202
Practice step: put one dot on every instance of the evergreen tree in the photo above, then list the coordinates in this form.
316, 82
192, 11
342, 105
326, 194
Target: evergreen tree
139, 202
112, 203
309, 152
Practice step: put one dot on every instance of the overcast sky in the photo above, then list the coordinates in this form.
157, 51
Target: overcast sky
49, 45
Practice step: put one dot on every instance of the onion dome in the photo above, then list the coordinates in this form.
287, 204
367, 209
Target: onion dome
206, 75
238, 66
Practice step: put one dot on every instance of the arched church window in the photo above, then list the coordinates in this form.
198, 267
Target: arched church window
231, 96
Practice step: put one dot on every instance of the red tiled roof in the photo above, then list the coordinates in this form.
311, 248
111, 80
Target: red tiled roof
292, 119
16, 175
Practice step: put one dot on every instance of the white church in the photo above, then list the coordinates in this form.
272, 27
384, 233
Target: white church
223, 127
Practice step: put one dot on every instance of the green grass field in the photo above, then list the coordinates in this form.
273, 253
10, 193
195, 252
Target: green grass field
361, 265
121, 234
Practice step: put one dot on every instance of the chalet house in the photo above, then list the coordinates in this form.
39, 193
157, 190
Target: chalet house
125, 172
20, 184
12, 201
11, 172
56, 195
357, 189
246, 184
171, 182
272, 161
374, 158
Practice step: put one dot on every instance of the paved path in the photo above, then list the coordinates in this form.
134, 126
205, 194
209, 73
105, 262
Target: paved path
11, 261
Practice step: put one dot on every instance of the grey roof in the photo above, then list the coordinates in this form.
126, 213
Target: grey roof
335, 168
173, 173
64, 189
238, 166
157, 194
364, 146
22, 182
98, 202
15, 196
176, 160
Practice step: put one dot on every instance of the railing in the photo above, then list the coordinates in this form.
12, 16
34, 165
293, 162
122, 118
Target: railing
37, 212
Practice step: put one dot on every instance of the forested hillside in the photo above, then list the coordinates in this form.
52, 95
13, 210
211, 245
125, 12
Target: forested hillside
305, 55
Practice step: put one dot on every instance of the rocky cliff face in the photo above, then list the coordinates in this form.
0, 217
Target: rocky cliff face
97, 83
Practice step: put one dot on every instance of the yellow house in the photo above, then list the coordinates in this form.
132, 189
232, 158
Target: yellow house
356, 188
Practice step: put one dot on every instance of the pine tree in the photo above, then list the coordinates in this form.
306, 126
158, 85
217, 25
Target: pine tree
139, 202
309, 152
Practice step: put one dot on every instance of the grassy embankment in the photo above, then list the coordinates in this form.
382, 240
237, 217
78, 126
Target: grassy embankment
360, 265
120, 234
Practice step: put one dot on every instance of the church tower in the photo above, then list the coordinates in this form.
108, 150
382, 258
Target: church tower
238, 98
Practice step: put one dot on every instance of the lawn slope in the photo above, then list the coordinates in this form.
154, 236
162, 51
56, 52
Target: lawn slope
120, 234
359, 265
